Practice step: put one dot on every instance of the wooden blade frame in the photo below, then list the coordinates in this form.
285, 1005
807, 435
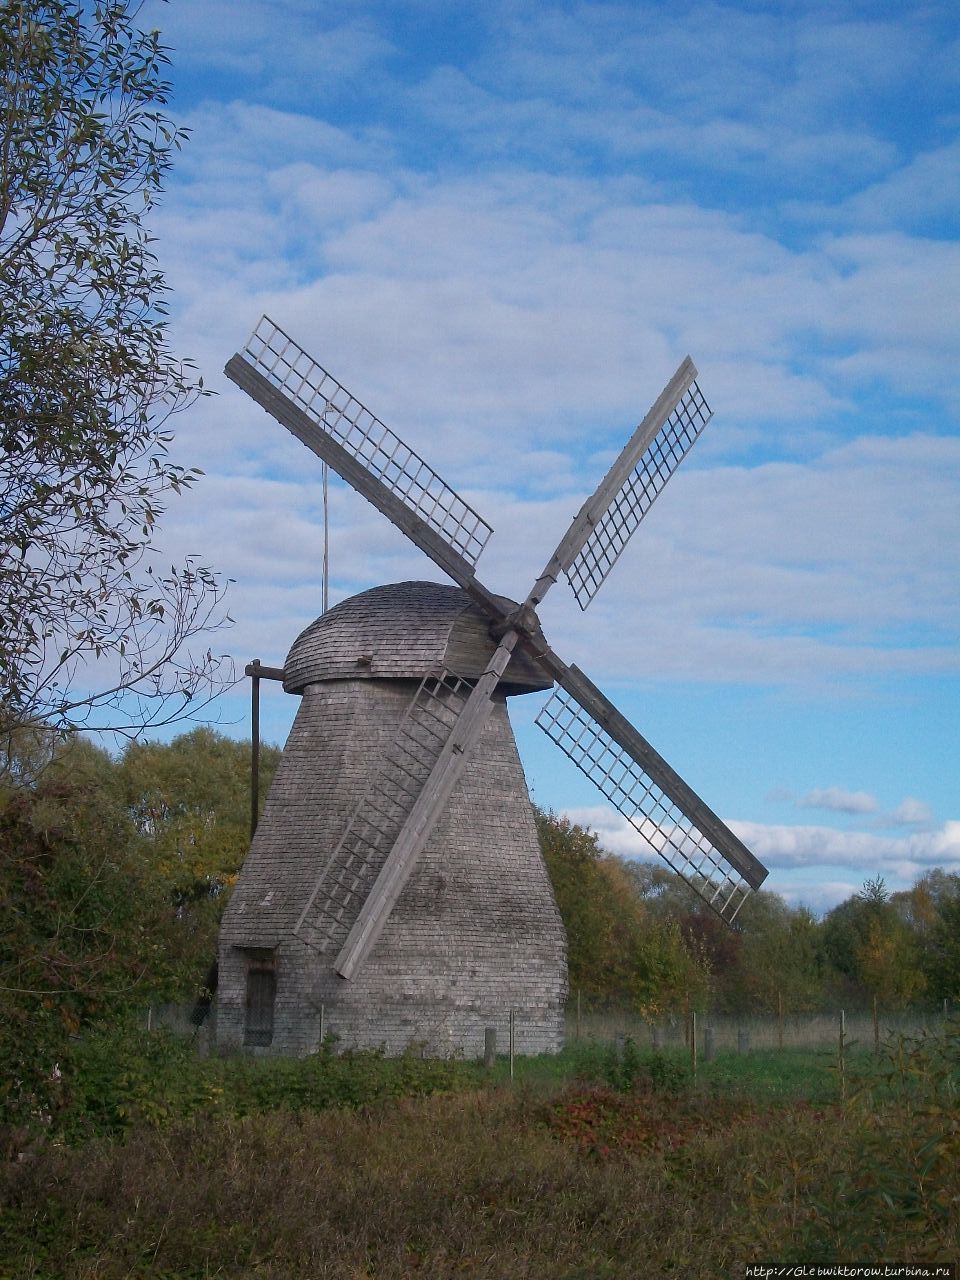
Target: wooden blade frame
606, 522
424, 815
348, 875
293, 388
676, 823
654, 799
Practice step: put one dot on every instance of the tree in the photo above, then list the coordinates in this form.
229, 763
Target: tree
616, 950
92, 629
83, 922
873, 950
189, 800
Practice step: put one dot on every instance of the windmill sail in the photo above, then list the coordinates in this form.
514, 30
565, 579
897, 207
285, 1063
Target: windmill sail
658, 804
297, 391
606, 522
424, 813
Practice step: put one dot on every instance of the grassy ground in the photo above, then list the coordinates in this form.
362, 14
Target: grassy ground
595, 1166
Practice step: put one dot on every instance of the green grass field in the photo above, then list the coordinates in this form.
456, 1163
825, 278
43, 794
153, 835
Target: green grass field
593, 1165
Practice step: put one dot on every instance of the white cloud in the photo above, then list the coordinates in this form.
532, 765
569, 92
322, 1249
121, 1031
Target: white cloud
911, 813
840, 800
803, 860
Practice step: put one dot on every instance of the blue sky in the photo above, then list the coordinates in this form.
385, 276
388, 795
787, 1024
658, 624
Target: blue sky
502, 227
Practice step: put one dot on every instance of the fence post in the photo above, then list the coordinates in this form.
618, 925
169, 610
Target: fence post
513, 1021
841, 1058
709, 1048
876, 1027
693, 1044
578, 1013
489, 1047
743, 1040
780, 1021
657, 1039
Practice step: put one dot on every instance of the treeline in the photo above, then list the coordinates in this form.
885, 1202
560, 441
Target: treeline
638, 935
114, 872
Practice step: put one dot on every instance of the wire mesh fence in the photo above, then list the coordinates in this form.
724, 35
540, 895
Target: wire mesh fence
605, 1023
749, 1030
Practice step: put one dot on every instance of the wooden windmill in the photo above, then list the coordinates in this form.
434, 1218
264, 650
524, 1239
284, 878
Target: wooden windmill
394, 891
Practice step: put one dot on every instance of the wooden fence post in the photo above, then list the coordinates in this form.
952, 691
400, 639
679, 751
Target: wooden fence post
693, 1044
876, 1027
489, 1047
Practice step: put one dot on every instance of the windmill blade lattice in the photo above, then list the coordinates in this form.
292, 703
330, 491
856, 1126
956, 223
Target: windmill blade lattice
346, 879
287, 381
588, 570
666, 821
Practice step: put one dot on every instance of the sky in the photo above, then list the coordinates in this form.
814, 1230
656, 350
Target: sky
503, 226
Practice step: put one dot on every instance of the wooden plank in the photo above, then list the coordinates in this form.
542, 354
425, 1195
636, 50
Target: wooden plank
263, 673
298, 423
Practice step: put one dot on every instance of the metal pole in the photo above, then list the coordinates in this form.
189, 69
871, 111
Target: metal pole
254, 748
512, 1034
326, 540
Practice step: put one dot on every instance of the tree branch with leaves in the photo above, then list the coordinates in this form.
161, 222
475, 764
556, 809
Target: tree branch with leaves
93, 631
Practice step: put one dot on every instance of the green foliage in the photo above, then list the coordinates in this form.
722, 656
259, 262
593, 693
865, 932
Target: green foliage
873, 948
616, 949
943, 951
189, 800
507, 1183
87, 383
113, 876
124, 1077
779, 962
81, 923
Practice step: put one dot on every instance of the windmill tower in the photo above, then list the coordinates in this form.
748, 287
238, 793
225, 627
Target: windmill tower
394, 891
476, 931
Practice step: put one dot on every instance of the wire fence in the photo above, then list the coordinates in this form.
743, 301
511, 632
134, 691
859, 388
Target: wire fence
713, 1033
742, 1032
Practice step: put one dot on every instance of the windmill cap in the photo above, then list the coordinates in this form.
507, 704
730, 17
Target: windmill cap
403, 632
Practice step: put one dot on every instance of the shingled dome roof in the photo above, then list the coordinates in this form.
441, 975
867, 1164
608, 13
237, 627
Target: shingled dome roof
403, 631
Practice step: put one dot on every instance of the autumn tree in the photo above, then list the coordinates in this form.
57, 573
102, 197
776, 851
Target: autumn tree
94, 628
189, 801
872, 949
616, 949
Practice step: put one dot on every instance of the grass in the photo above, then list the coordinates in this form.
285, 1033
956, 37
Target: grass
572, 1171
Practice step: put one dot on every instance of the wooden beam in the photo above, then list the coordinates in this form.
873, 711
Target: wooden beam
263, 673
320, 442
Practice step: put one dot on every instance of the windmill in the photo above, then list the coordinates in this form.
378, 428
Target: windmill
356, 927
